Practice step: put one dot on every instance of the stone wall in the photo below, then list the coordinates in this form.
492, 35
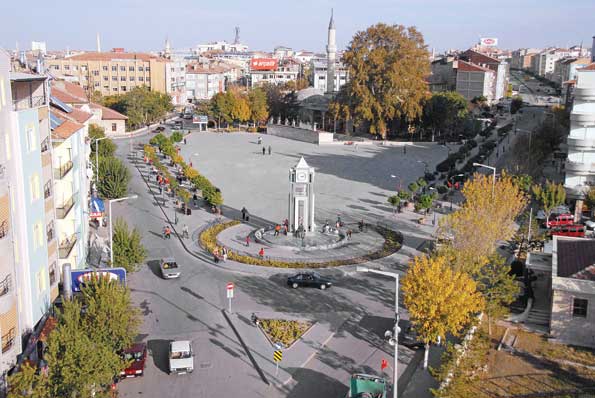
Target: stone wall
570, 329
300, 134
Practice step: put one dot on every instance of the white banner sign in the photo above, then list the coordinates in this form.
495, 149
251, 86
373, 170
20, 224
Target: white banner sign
488, 41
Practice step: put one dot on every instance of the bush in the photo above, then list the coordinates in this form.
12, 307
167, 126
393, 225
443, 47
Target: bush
442, 189
413, 187
158, 140
284, 331
128, 249
113, 178
176, 136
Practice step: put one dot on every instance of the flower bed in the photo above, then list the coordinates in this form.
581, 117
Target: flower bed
283, 331
392, 243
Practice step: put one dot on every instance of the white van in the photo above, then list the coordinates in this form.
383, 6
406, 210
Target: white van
181, 357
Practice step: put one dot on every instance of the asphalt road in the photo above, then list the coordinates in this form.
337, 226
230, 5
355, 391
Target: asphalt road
190, 308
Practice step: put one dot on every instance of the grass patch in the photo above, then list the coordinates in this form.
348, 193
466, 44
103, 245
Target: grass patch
284, 331
208, 240
539, 345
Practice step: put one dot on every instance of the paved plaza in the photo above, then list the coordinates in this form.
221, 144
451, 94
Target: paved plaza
350, 181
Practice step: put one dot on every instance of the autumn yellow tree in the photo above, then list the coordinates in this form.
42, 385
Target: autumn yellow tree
439, 299
486, 217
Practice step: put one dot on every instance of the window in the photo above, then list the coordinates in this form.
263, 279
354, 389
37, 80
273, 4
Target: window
123, 78
53, 273
122, 69
66, 67
84, 68
115, 89
114, 68
105, 78
76, 67
31, 138
131, 78
56, 67
49, 231
579, 307
35, 187
105, 67
96, 84
148, 79
140, 78
147, 69
106, 87
37, 235
95, 73
115, 78
47, 189
114, 127
140, 68
123, 88
131, 68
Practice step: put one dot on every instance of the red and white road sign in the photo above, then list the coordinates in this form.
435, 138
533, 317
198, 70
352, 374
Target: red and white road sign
229, 289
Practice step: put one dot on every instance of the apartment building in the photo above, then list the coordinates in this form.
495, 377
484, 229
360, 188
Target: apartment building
566, 68
113, 72
444, 74
319, 66
499, 67
203, 82
475, 81
580, 164
521, 58
274, 72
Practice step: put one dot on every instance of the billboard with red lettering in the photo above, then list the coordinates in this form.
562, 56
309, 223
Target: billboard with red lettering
264, 64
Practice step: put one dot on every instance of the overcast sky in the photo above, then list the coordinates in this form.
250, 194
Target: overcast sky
144, 24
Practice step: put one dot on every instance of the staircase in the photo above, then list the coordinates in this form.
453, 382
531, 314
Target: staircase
538, 317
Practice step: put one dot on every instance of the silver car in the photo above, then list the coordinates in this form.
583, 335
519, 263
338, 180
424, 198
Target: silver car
169, 268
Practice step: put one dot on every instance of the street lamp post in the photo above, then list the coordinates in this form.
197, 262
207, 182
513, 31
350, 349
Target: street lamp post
394, 340
494, 179
398, 179
426, 167
97, 160
111, 222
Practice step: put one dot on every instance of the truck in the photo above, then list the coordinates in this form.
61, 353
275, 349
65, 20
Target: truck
367, 386
181, 357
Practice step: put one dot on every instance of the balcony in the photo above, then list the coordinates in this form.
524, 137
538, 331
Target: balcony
29, 102
62, 211
583, 118
584, 93
576, 142
580, 168
5, 285
8, 340
63, 170
66, 247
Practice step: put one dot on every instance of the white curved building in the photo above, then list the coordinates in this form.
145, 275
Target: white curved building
580, 165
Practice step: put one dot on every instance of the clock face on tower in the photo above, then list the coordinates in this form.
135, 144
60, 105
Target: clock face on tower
302, 176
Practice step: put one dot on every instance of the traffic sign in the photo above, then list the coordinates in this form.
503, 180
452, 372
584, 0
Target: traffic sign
278, 356
229, 285
230, 290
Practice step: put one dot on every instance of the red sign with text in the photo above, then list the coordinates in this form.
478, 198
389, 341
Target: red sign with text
264, 64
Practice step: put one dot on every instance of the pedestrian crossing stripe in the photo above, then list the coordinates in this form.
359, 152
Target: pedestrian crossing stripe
278, 356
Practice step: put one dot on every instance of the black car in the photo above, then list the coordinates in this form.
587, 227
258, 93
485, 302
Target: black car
308, 279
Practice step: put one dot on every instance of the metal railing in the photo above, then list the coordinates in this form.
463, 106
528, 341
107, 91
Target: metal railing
5, 285
50, 234
62, 211
61, 171
66, 247
8, 340
3, 229
53, 273
45, 145
29, 102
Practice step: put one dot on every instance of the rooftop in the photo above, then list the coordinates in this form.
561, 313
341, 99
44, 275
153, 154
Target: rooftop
109, 56
469, 67
69, 93
107, 113
24, 77
576, 258
589, 67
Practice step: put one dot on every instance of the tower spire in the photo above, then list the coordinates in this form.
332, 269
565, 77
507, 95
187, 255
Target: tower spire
331, 24
331, 54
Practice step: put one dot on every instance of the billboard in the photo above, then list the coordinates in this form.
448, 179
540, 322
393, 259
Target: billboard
80, 276
196, 119
488, 41
264, 64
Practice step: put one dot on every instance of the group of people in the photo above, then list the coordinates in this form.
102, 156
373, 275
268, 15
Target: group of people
282, 227
220, 254
264, 149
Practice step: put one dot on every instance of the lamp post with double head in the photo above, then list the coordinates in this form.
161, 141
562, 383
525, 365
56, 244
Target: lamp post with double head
394, 335
111, 223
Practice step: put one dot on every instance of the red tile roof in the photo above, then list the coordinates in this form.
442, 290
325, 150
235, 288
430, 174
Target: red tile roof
589, 67
66, 129
108, 56
69, 93
469, 67
77, 115
107, 113
479, 58
197, 69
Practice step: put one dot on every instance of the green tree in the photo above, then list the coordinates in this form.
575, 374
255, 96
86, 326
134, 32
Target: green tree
425, 201
523, 181
107, 147
176, 136
78, 367
141, 105
394, 201
515, 104
259, 112
550, 196
440, 301
590, 199
222, 108
113, 178
413, 187
498, 288
129, 252
110, 319
445, 111
388, 66
27, 383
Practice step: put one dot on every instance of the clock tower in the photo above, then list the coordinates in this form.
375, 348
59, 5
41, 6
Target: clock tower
301, 197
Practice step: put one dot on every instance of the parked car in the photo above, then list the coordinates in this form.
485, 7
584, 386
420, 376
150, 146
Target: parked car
408, 337
169, 268
577, 231
309, 279
559, 220
181, 357
138, 355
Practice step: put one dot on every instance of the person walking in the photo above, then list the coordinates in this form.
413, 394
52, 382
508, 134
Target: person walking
264, 150
244, 211
270, 149
224, 252
259, 140
160, 190
185, 233
184, 140
261, 252
248, 241
176, 217
349, 232
277, 230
